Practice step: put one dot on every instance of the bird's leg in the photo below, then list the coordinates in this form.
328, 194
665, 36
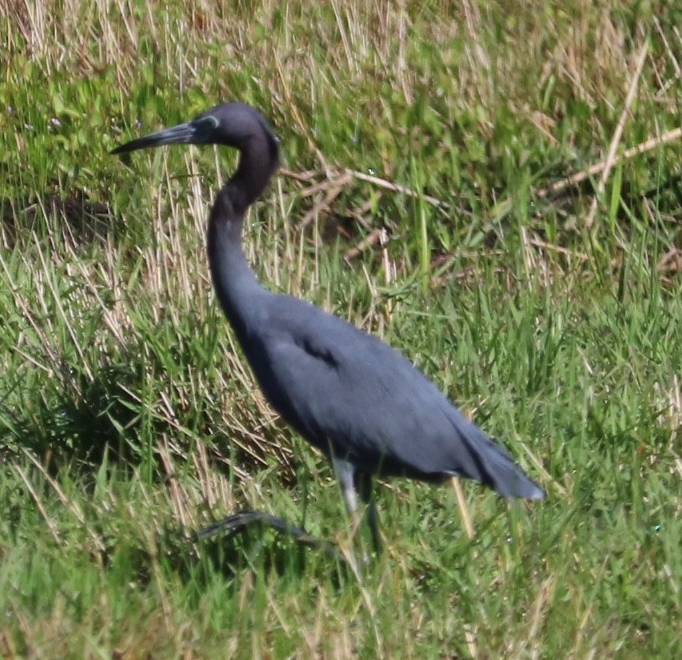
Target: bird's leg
367, 495
345, 473
349, 479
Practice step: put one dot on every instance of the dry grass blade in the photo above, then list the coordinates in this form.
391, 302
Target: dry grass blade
376, 236
470, 634
51, 525
303, 177
671, 57
396, 187
179, 502
618, 134
68, 503
576, 179
540, 607
463, 507
670, 262
332, 190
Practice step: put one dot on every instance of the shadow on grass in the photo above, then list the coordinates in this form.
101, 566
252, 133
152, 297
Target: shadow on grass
82, 221
77, 419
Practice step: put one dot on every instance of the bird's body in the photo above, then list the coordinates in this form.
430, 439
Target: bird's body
349, 394
314, 381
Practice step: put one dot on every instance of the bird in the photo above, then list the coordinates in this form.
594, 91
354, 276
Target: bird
353, 397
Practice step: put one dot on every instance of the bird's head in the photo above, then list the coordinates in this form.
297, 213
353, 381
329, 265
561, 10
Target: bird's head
232, 124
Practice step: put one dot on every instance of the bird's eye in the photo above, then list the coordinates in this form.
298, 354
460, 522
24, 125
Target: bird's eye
206, 123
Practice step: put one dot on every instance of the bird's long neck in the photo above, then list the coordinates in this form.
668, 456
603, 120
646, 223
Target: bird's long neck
233, 280
236, 286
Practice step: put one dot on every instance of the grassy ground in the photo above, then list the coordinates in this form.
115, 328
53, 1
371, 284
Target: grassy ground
493, 187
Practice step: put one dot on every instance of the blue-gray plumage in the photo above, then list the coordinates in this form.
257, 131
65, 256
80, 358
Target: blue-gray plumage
350, 395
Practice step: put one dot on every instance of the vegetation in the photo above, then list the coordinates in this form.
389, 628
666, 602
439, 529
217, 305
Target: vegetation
493, 187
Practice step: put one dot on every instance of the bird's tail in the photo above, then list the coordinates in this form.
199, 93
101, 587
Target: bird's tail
493, 466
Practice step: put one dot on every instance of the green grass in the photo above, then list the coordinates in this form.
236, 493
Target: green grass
128, 416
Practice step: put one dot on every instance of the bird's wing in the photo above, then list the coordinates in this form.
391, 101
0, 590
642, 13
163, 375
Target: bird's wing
339, 386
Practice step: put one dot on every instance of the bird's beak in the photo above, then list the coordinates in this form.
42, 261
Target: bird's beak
180, 134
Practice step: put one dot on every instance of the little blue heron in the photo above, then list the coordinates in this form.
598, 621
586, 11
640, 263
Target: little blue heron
357, 400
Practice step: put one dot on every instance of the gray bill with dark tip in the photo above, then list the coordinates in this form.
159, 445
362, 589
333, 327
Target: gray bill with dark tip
181, 134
